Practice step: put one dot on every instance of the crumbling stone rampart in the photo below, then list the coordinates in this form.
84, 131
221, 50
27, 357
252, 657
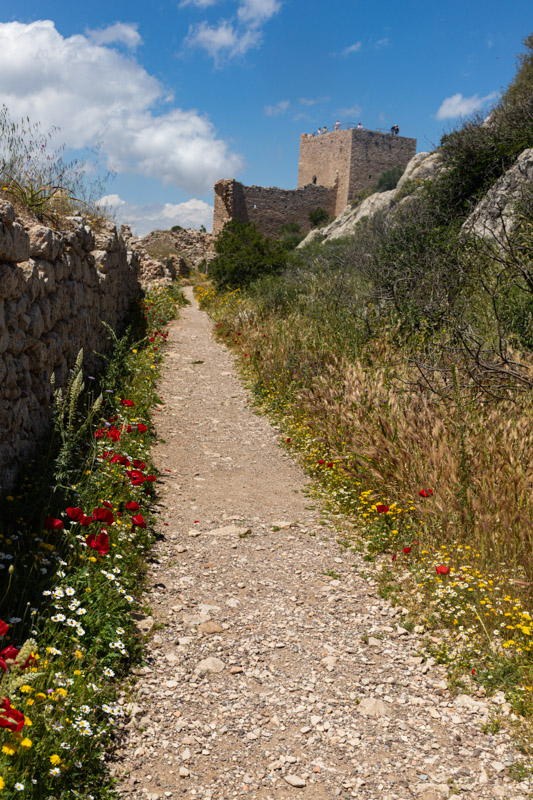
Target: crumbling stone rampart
56, 290
269, 208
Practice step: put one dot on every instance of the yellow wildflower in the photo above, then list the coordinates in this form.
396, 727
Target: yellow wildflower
26, 743
55, 759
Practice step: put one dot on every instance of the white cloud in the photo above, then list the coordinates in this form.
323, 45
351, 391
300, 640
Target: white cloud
277, 109
233, 37
353, 48
257, 12
159, 216
222, 41
96, 95
198, 3
110, 201
311, 101
382, 43
459, 106
121, 32
350, 111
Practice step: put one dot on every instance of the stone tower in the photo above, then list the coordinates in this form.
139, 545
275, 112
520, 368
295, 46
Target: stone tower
354, 159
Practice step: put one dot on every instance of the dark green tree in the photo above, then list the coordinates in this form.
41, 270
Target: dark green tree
244, 254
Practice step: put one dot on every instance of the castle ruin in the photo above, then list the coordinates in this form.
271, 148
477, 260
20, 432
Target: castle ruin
331, 169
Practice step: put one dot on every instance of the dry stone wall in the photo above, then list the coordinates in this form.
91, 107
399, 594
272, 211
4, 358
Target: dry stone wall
56, 290
269, 208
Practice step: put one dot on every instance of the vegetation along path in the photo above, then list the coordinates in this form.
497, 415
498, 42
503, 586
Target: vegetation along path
274, 668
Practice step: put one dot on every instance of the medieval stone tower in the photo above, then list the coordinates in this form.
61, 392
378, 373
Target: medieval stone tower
332, 167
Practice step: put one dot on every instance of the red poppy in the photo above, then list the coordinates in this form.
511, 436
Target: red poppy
142, 428
113, 434
85, 521
424, 493
99, 433
406, 550
129, 429
473, 671
381, 509
113, 419
138, 464
99, 543
30, 660
103, 515
131, 505
10, 717
107, 504
139, 521
322, 461
9, 652
4, 627
287, 440
442, 569
74, 513
150, 478
394, 556
136, 477
3, 665
128, 403
329, 464
52, 524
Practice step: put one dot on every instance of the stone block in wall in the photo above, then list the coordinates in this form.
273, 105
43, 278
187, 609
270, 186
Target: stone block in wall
44, 243
108, 239
105, 260
7, 213
30, 280
81, 237
9, 280
14, 242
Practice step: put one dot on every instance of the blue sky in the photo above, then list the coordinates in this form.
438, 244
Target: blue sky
179, 93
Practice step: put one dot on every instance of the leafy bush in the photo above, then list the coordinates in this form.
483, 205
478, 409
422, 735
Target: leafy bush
389, 179
244, 254
318, 216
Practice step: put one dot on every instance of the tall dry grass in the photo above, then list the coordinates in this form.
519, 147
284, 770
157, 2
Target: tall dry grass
477, 458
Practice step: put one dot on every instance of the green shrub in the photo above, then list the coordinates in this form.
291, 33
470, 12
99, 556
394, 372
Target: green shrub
244, 254
318, 217
389, 179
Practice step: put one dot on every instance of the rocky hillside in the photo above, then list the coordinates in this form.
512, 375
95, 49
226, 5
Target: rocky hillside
493, 216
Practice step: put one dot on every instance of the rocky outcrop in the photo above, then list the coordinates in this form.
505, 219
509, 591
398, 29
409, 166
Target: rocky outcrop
422, 167
167, 255
193, 246
496, 215
56, 290
152, 271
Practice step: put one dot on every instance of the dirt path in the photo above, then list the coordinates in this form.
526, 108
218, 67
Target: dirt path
269, 678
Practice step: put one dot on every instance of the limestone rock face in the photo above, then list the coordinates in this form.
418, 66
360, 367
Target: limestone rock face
422, 167
495, 215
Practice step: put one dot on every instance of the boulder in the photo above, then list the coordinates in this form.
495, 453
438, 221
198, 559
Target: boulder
496, 214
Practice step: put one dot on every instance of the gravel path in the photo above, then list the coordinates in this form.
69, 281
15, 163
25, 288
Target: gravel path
268, 678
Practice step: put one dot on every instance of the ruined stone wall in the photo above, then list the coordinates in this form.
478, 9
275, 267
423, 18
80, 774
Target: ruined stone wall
269, 208
354, 159
56, 288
